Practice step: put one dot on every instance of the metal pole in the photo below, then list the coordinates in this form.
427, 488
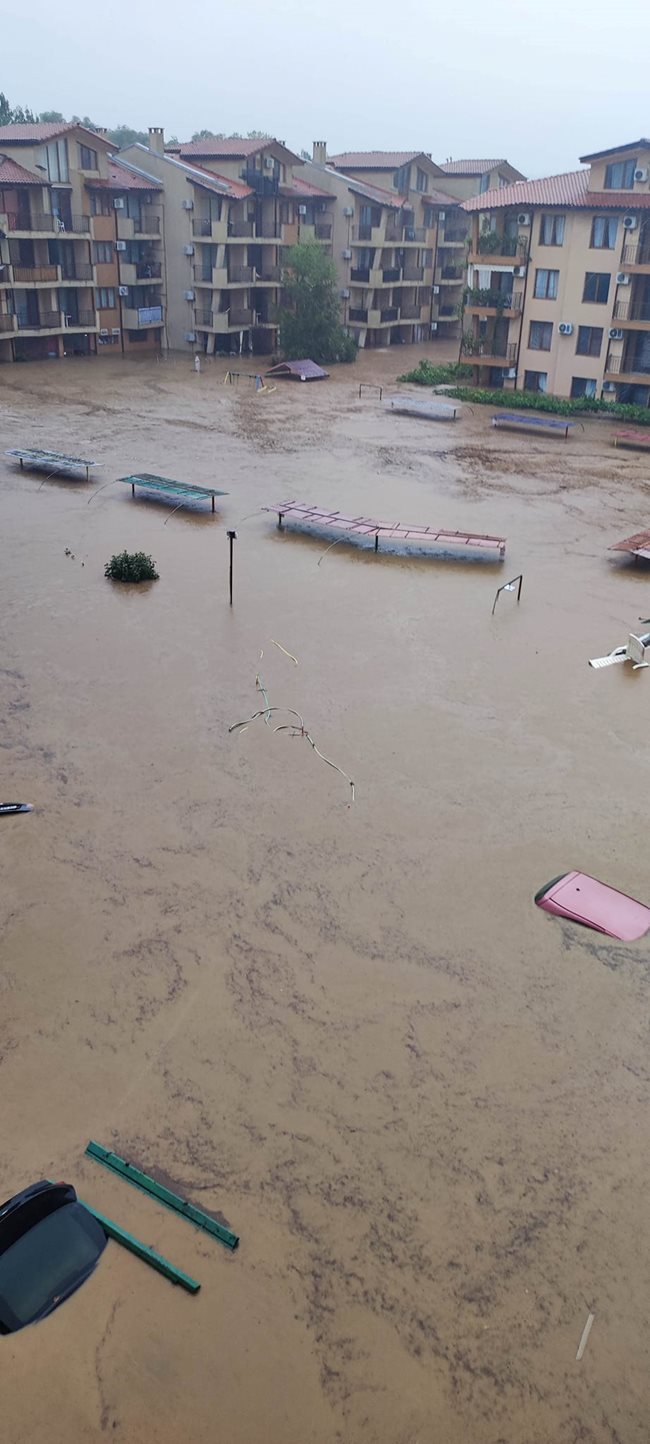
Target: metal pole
232, 537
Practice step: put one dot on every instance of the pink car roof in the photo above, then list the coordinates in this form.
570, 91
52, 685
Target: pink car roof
585, 900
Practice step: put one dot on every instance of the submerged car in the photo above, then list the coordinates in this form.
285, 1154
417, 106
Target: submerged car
49, 1245
585, 900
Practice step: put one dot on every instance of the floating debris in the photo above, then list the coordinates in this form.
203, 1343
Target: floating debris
295, 728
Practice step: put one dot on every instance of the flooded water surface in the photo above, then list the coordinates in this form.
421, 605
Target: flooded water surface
421, 1102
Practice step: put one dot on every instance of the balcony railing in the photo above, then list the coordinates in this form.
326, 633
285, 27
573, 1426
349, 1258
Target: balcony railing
47, 321
636, 255
7, 323
148, 270
240, 275
490, 243
201, 227
414, 273
323, 232
241, 317
268, 273
405, 233
632, 311
391, 273
24, 274
390, 313
39, 221
203, 318
204, 276
452, 235
263, 185
447, 313
240, 228
504, 350
450, 273
493, 300
146, 225
627, 366
80, 271
82, 318
360, 273
357, 313
410, 313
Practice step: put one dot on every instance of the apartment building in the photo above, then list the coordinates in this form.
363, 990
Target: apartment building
247, 206
79, 241
467, 178
559, 280
387, 254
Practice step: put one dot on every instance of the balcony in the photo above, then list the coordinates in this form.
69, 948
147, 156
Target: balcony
73, 225
502, 250
141, 317
390, 313
362, 235
391, 273
212, 321
203, 319
450, 275
240, 275
128, 227
270, 230
81, 271
35, 275
413, 273
237, 228
7, 323
263, 185
453, 236
82, 321
269, 275
323, 231
484, 350
405, 235
410, 313
209, 230
636, 257
240, 316
634, 314
358, 313
25, 225
361, 274
493, 303
47, 321
627, 368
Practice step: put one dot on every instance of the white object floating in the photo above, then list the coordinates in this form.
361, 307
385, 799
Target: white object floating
634, 651
585, 1336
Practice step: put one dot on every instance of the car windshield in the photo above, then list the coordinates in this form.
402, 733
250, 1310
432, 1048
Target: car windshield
46, 1263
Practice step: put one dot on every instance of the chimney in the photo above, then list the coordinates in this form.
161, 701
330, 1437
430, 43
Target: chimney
319, 152
157, 139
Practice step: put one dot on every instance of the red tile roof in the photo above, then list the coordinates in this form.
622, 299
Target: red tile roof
231, 149
123, 179
237, 190
44, 130
439, 198
374, 159
13, 174
298, 186
470, 167
569, 190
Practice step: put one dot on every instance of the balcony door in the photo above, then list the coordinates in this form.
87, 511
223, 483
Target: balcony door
62, 208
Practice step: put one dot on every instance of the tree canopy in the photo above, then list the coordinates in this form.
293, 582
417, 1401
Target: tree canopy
310, 319
233, 135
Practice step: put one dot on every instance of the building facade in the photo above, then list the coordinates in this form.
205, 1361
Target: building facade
558, 287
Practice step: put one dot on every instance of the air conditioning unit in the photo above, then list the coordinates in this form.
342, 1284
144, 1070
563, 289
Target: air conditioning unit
523, 219
188, 250
565, 328
268, 162
188, 205
615, 333
115, 330
630, 223
347, 254
348, 210
641, 173
519, 270
511, 373
104, 331
122, 290
118, 203
120, 245
609, 385
434, 325
622, 279
189, 295
345, 294
436, 290
302, 210
190, 335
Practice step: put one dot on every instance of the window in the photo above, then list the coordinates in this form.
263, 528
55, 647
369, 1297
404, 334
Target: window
619, 176
103, 252
402, 179
135, 336
286, 213
421, 180
87, 158
596, 286
551, 230
100, 204
583, 386
55, 156
590, 340
541, 335
485, 183
603, 233
546, 285
535, 380
105, 298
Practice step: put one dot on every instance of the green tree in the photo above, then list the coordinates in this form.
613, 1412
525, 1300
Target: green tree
122, 135
14, 115
51, 115
310, 320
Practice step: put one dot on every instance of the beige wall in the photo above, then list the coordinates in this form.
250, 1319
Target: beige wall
177, 233
598, 169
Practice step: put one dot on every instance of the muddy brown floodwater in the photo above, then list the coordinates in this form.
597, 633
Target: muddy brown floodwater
421, 1102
